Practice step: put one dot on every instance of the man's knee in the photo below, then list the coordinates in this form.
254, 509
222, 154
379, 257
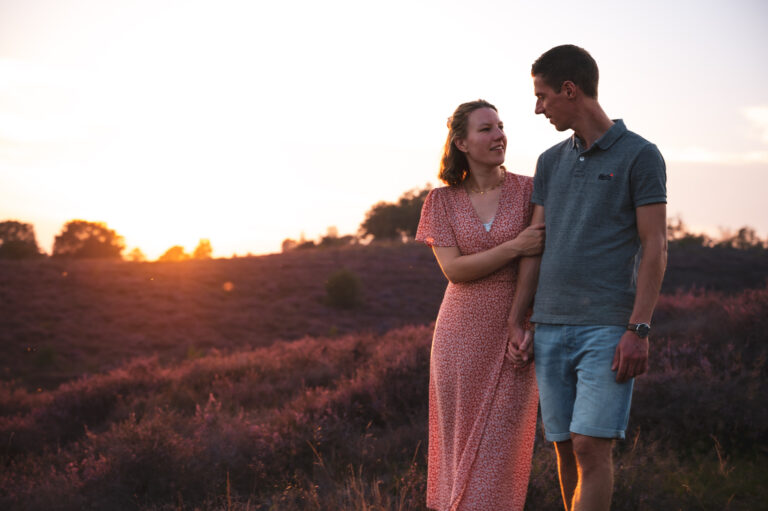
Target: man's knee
564, 450
591, 452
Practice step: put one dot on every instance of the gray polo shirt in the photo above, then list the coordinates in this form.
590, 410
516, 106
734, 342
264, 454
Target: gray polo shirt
589, 266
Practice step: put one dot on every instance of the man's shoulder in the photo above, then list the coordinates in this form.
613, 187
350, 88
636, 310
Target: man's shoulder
551, 156
636, 141
558, 148
635, 138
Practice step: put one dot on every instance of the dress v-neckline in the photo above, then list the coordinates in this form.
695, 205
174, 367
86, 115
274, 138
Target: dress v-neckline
497, 211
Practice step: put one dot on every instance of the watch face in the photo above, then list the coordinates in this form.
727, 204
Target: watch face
643, 330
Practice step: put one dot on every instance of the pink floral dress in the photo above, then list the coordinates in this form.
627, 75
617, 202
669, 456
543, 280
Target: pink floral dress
482, 410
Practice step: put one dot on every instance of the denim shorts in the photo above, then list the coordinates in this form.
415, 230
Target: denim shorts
577, 389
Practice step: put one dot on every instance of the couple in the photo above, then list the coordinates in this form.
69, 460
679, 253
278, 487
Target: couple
602, 195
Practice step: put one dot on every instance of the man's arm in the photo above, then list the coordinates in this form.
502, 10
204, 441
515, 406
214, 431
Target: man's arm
527, 279
463, 268
631, 357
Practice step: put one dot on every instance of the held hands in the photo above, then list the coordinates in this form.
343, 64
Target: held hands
631, 357
530, 242
519, 346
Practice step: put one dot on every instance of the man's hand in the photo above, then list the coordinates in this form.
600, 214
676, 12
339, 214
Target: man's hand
631, 357
520, 346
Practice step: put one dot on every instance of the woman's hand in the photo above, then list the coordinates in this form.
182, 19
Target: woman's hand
530, 242
520, 346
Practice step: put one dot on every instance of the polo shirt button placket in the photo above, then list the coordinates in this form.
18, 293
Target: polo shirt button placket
580, 167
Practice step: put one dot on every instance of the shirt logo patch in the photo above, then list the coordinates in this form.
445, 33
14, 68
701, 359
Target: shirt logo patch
605, 177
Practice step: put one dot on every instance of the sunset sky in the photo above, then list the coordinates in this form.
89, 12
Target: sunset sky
248, 122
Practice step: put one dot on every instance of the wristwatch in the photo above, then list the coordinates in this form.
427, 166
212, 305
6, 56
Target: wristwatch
641, 329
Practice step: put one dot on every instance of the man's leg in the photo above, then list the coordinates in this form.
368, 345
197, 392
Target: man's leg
566, 469
594, 461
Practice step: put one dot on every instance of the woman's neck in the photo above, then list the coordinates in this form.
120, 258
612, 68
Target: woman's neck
484, 178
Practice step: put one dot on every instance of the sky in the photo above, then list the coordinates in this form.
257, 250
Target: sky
248, 122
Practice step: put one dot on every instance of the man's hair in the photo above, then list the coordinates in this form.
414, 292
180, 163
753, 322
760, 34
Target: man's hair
454, 167
568, 62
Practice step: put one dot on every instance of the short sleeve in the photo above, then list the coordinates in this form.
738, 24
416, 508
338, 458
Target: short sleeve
434, 228
538, 183
648, 178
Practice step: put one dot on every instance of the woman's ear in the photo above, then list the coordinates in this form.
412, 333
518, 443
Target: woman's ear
460, 144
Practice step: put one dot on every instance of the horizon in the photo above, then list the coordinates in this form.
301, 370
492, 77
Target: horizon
247, 124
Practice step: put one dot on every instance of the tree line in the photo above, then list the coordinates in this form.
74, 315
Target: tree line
392, 221
399, 220
81, 239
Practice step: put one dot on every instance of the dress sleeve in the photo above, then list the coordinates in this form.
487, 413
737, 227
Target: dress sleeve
434, 228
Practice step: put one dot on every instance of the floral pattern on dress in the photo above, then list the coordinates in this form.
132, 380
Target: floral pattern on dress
482, 410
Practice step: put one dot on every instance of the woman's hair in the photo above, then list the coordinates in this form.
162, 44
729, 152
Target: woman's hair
454, 167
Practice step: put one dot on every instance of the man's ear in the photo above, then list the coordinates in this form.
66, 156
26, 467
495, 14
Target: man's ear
570, 89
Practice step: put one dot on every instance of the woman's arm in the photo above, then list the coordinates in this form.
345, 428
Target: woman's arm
463, 268
519, 348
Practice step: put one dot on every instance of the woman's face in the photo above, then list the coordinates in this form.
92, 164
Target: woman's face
485, 143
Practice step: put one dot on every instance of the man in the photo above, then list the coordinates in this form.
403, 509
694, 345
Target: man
602, 194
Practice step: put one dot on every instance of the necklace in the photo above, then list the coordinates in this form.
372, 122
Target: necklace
482, 192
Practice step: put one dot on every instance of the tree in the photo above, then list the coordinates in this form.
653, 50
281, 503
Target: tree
393, 221
136, 255
745, 239
17, 240
332, 239
174, 254
679, 235
204, 250
82, 239
289, 244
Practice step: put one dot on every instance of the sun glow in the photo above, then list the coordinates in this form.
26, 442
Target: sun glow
247, 124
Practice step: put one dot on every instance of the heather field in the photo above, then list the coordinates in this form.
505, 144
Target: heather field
63, 318
234, 384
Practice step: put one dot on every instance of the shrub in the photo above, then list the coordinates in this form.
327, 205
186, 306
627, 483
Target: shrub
343, 289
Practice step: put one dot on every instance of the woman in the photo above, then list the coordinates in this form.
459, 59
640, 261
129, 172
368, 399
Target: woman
482, 402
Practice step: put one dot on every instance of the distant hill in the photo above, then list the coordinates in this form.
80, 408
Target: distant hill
60, 319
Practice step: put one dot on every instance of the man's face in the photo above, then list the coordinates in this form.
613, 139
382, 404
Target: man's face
554, 105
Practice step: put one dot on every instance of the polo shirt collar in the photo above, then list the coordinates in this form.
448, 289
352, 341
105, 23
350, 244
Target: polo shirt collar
609, 137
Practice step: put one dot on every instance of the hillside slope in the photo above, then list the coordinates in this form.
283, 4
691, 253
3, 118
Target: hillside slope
340, 423
61, 319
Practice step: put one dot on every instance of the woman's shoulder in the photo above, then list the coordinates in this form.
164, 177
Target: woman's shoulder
519, 179
445, 192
